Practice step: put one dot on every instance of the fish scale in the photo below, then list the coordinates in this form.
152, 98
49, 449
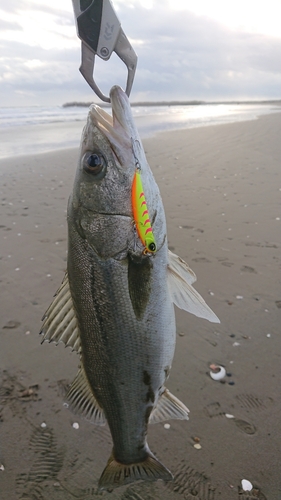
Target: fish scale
126, 349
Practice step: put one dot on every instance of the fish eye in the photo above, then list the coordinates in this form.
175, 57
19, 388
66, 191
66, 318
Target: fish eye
94, 163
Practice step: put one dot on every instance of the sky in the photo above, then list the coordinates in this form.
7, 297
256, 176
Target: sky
208, 50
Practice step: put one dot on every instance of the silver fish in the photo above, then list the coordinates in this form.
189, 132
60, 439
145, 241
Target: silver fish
115, 305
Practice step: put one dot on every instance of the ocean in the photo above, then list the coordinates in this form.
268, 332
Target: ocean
38, 129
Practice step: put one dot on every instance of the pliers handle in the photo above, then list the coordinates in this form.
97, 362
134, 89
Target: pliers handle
100, 31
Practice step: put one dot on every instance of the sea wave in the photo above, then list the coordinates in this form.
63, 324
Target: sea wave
40, 129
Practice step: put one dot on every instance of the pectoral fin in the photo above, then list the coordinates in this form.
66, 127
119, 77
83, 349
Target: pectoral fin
180, 267
82, 400
59, 321
184, 296
168, 407
139, 277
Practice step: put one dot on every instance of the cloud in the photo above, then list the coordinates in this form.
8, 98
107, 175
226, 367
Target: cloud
194, 57
9, 25
181, 56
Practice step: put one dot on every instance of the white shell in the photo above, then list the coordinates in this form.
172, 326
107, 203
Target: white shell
246, 485
219, 375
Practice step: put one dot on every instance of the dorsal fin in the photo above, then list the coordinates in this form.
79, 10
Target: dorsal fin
59, 321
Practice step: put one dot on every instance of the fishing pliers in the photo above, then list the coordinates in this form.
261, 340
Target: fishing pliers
100, 31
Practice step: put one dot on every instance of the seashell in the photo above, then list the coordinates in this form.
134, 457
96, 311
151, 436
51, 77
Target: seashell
246, 485
197, 446
219, 373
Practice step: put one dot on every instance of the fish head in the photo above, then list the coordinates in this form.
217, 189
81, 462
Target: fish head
110, 153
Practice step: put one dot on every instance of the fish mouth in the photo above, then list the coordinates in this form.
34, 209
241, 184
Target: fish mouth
121, 112
119, 129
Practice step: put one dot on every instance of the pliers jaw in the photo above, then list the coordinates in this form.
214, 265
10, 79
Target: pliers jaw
100, 32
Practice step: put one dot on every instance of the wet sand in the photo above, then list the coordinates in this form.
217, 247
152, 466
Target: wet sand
221, 190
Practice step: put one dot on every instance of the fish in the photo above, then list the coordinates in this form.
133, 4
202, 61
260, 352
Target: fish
115, 306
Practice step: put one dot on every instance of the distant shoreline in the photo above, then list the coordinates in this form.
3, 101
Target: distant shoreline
173, 103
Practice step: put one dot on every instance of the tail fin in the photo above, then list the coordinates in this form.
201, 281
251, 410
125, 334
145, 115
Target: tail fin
117, 474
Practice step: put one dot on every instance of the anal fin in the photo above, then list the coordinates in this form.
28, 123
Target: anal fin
81, 399
168, 407
118, 474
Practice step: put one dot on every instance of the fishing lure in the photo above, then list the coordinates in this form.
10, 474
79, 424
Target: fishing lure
141, 215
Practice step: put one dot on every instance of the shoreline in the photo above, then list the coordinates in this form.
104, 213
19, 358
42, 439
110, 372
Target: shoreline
176, 103
221, 191
59, 135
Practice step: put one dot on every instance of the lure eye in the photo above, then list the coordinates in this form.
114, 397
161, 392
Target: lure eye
152, 247
94, 163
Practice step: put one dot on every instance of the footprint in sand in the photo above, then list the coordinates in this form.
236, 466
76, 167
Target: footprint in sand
214, 410
201, 259
244, 426
191, 484
254, 494
253, 402
227, 263
141, 491
80, 478
248, 269
48, 461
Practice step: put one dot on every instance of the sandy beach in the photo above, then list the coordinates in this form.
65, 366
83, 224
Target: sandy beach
221, 189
